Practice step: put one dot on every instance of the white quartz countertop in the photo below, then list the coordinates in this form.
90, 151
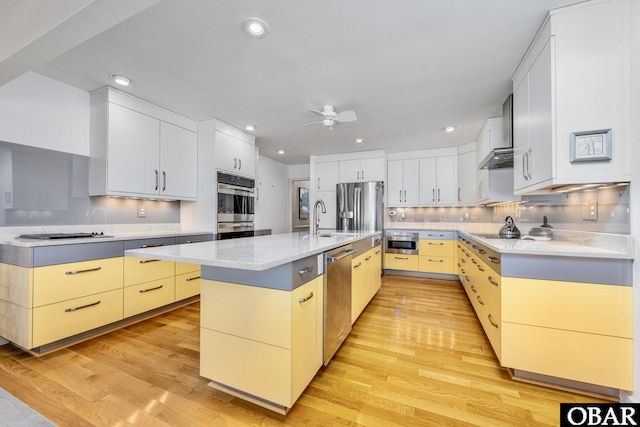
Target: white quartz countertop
252, 253
550, 247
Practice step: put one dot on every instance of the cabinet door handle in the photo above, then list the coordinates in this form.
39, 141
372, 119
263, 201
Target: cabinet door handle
357, 175
405, 196
368, 258
88, 270
68, 310
479, 267
235, 163
467, 278
458, 194
305, 271
529, 161
164, 180
239, 163
157, 180
480, 300
400, 199
481, 251
435, 244
473, 288
318, 183
357, 265
494, 260
524, 167
433, 195
462, 270
493, 282
144, 261
362, 175
378, 251
438, 194
189, 279
194, 241
307, 298
436, 260
494, 324
152, 246
399, 257
142, 291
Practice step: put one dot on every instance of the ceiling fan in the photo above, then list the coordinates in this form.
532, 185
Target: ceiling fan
330, 117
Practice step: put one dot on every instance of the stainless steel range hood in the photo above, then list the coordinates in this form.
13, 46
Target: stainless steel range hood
498, 158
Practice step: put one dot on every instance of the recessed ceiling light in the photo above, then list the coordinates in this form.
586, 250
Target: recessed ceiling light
250, 127
121, 80
280, 151
449, 129
359, 140
256, 27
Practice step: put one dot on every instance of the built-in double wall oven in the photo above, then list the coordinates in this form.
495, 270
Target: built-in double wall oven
236, 205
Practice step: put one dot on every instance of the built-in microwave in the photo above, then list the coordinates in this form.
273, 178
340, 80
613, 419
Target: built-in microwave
402, 242
236, 204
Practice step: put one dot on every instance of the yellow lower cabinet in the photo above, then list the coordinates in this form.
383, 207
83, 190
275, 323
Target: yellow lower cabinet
62, 282
375, 270
402, 262
437, 248
139, 270
578, 356
360, 288
147, 296
187, 285
184, 267
266, 343
435, 264
54, 322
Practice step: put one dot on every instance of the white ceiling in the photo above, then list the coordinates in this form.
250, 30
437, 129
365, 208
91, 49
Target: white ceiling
408, 68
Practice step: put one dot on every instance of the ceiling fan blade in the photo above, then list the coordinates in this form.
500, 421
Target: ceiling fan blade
316, 112
313, 123
347, 116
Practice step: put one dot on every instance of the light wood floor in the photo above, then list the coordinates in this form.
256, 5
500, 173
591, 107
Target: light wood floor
417, 356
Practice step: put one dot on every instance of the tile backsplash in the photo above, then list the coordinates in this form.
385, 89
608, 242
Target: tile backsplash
604, 210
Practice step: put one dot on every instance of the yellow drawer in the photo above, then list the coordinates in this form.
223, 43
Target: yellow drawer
140, 270
183, 267
259, 314
54, 322
187, 285
590, 358
441, 248
599, 309
63, 282
149, 295
436, 264
402, 262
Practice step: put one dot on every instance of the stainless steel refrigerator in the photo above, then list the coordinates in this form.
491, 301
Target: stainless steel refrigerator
360, 206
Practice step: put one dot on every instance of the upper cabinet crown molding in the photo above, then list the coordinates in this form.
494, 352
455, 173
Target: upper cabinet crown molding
575, 77
138, 149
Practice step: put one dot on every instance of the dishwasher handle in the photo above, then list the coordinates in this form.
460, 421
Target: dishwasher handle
344, 254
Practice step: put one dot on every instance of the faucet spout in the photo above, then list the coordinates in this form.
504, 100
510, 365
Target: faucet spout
316, 224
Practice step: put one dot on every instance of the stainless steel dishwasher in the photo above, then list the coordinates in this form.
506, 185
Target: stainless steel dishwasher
337, 297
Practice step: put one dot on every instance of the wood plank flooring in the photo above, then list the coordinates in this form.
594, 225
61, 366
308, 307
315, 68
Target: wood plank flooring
417, 356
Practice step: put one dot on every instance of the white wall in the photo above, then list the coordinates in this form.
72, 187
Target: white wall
38, 111
272, 205
299, 172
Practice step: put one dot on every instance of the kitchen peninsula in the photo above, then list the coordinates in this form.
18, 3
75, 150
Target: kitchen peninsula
262, 310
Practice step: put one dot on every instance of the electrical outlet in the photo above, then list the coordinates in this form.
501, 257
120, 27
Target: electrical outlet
590, 211
142, 212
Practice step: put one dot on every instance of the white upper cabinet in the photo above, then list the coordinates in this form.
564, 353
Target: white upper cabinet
361, 170
467, 167
403, 180
573, 79
493, 185
233, 154
327, 175
140, 150
438, 181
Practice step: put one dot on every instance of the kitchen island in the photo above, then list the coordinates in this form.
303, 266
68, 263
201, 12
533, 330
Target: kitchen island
262, 302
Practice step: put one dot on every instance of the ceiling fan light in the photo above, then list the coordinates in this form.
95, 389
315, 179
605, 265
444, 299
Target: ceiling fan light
256, 27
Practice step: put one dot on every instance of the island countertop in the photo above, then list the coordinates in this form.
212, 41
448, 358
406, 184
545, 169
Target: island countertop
253, 253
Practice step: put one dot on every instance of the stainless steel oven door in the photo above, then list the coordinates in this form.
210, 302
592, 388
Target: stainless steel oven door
234, 230
235, 204
402, 243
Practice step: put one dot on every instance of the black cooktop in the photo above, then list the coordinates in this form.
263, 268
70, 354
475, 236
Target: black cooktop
53, 236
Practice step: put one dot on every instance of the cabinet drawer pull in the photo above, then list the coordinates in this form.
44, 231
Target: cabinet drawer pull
464, 261
142, 291
400, 257
435, 244
467, 278
480, 300
188, 279
494, 324
435, 235
144, 261
459, 266
307, 298
493, 282
474, 261
69, 310
467, 255
473, 288
378, 251
479, 267
436, 260
494, 260
88, 270
194, 241
152, 246
357, 265
482, 251
305, 271
462, 271
368, 258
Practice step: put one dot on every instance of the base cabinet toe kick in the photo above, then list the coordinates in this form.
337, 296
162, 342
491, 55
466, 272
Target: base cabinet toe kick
563, 321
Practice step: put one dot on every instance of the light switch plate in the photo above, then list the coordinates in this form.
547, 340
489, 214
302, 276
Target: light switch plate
142, 212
